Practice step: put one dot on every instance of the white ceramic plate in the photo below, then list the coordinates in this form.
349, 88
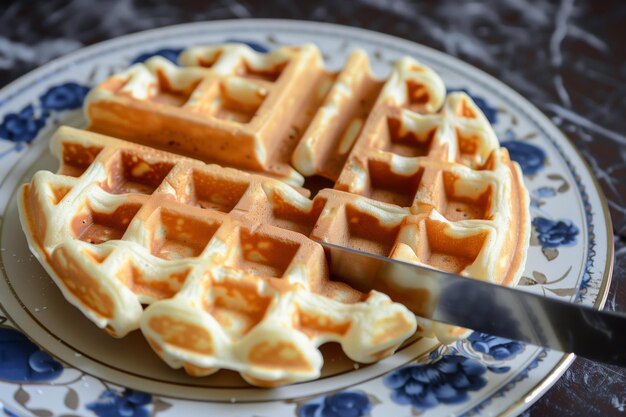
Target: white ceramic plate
71, 368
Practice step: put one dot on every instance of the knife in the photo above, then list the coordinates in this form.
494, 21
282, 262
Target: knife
481, 306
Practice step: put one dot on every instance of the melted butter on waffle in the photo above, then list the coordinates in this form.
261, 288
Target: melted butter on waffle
218, 267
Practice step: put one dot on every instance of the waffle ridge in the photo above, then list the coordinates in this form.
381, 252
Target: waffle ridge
225, 260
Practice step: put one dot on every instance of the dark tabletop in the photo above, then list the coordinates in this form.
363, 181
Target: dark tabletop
567, 57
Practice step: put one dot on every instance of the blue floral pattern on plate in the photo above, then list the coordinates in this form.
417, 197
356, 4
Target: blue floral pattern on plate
22, 361
552, 234
128, 403
530, 158
498, 348
23, 126
341, 404
66, 96
446, 381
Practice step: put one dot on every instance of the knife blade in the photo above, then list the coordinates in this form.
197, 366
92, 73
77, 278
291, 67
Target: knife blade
481, 306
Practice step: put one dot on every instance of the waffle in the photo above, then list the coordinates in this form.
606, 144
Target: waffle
218, 255
252, 106
225, 260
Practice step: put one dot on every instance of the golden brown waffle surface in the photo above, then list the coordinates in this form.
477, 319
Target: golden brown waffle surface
219, 268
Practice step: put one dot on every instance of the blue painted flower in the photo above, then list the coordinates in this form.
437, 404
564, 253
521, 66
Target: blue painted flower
129, 403
530, 157
491, 113
66, 96
341, 404
552, 234
254, 45
23, 126
22, 361
544, 192
446, 381
498, 348
167, 53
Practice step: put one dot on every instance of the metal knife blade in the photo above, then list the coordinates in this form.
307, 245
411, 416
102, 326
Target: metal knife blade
481, 306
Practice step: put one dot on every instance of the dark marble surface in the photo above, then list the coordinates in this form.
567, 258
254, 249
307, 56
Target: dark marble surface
566, 57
